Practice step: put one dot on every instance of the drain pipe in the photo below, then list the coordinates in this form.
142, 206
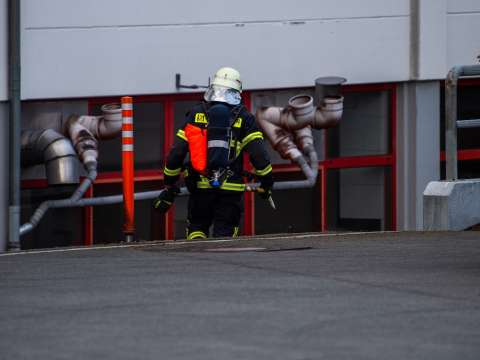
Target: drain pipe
15, 118
70, 202
77, 201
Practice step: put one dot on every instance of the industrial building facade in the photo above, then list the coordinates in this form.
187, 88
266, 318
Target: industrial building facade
373, 167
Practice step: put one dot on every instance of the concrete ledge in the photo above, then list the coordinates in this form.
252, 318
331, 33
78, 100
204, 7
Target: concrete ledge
451, 205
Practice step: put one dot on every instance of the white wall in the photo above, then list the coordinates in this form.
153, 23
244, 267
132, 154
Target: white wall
86, 48
428, 39
463, 21
3, 50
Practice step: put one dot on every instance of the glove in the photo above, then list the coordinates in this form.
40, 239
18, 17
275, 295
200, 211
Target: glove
265, 188
264, 193
165, 200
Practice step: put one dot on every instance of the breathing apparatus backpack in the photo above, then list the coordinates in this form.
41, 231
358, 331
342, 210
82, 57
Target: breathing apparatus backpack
209, 144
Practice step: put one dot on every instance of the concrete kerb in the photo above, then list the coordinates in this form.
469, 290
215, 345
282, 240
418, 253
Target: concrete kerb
451, 205
171, 245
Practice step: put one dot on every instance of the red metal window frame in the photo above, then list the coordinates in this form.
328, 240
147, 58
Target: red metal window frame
465, 154
168, 102
384, 160
388, 160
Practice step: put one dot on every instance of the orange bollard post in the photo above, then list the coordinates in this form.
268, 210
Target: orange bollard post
128, 168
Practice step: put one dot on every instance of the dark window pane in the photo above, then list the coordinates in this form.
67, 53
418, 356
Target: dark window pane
59, 227
149, 139
364, 128
468, 108
108, 220
181, 108
359, 199
467, 169
297, 210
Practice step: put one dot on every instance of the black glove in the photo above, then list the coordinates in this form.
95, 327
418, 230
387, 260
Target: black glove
266, 185
165, 200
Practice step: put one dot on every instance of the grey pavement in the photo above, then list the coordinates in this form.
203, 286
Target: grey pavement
371, 296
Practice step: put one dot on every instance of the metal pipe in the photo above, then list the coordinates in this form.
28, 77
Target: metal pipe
84, 132
75, 201
15, 119
55, 151
450, 123
83, 140
329, 113
451, 84
70, 202
471, 123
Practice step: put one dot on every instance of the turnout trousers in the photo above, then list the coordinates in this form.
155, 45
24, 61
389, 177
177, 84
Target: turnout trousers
220, 208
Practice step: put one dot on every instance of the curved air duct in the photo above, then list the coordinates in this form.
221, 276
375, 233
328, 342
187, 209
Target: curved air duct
85, 131
289, 129
52, 149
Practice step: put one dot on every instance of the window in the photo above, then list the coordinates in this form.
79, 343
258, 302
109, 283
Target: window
59, 227
149, 139
294, 214
356, 164
468, 144
356, 186
359, 198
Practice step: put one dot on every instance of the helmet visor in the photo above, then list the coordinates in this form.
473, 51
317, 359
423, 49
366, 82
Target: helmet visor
222, 94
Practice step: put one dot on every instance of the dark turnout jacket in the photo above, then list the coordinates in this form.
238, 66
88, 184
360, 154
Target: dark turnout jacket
245, 137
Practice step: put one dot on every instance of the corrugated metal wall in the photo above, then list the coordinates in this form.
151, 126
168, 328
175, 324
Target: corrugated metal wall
463, 22
87, 48
90, 48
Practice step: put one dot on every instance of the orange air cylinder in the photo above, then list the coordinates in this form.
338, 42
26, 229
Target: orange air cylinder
197, 143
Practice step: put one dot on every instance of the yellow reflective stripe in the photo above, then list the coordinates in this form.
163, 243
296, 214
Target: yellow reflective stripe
232, 186
235, 231
196, 234
265, 171
204, 184
250, 137
181, 135
172, 172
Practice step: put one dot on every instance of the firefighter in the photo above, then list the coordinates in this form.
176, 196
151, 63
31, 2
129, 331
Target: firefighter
215, 134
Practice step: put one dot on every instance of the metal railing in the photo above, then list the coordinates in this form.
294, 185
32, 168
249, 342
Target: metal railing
451, 121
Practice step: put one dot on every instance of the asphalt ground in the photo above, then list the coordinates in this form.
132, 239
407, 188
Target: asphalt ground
367, 296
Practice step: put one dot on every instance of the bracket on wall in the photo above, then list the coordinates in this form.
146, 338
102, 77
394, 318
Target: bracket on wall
178, 84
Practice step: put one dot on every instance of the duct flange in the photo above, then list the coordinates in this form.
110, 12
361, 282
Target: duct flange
326, 87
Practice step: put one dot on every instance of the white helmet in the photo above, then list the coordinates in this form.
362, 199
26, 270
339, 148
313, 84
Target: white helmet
225, 87
229, 78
